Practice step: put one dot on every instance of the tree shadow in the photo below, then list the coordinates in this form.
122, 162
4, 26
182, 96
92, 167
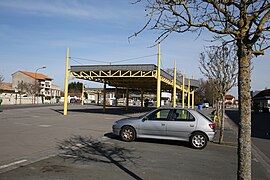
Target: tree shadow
109, 110
80, 148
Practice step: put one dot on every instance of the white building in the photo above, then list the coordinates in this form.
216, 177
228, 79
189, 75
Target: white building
42, 85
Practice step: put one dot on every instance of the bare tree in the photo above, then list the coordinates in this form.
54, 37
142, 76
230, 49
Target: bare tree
1, 78
219, 65
205, 92
245, 22
28, 88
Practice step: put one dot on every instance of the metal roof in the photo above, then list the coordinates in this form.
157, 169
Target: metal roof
133, 76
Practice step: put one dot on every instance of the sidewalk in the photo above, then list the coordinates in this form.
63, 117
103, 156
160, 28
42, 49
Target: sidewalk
230, 130
230, 133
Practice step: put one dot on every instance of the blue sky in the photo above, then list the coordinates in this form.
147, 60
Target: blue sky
36, 33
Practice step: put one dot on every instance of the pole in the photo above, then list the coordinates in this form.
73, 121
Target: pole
127, 99
66, 85
192, 104
35, 90
142, 98
183, 91
174, 86
158, 78
104, 96
116, 95
82, 94
188, 93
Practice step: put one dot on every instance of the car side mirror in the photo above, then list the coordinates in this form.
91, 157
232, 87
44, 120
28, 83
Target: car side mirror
144, 119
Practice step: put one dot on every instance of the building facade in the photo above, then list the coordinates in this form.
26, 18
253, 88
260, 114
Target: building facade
38, 84
261, 101
29, 88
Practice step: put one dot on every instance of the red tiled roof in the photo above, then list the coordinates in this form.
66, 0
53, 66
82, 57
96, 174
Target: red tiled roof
6, 86
36, 75
229, 97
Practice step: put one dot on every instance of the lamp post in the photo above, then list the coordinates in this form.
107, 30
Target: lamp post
36, 82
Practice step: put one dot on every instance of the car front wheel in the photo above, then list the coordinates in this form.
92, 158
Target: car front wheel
198, 140
127, 134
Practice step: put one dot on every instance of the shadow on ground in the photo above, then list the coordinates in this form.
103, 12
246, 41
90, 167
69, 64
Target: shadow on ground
260, 123
80, 148
108, 110
153, 141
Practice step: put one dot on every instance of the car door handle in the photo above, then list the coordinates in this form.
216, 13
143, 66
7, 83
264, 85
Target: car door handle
162, 124
191, 125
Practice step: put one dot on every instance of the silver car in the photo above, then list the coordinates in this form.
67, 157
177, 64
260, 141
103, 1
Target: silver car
168, 123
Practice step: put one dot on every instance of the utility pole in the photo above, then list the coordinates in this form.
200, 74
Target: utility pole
35, 90
66, 84
158, 78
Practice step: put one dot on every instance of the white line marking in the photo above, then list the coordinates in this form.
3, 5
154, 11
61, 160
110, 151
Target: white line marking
12, 164
45, 125
25, 124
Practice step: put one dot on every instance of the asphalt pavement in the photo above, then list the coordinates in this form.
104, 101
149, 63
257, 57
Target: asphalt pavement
81, 146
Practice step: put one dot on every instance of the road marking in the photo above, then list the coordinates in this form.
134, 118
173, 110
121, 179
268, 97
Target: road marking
25, 124
12, 164
45, 125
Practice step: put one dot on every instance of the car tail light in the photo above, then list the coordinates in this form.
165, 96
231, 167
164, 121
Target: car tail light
212, 125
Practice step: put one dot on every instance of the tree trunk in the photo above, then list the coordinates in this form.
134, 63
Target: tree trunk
221, 135
244, 134
218, 111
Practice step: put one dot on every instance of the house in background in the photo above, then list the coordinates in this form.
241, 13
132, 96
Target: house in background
7, 93
55, 93
24, 87
261, 101
229, 100
41, 86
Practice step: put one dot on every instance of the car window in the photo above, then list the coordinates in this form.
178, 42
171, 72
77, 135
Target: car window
206, 117
161, 115
182, 115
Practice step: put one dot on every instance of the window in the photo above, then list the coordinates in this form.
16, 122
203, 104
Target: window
182, 115
159, 115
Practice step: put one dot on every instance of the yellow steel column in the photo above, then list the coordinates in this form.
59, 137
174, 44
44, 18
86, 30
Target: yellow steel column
183, 91
127, 99
188, 93
66, 84
104, 96
158, 78
174, 86
82, 94
192, 103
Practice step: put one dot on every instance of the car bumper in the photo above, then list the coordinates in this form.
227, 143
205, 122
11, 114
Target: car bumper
116, 130
211, 135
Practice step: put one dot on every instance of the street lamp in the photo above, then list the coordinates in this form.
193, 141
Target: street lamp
36, 82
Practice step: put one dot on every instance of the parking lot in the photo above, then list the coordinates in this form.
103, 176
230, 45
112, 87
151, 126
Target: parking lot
44, 144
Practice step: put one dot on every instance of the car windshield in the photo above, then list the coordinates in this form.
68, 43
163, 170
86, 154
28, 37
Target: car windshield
206, 117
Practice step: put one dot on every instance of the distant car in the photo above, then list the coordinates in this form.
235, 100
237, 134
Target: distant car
78, 101
168, 123
72, 100
206, 105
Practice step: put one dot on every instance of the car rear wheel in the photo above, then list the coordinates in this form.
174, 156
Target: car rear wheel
198, 140
127, 134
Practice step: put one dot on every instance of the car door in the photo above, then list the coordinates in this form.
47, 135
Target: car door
181, 124
154, 124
